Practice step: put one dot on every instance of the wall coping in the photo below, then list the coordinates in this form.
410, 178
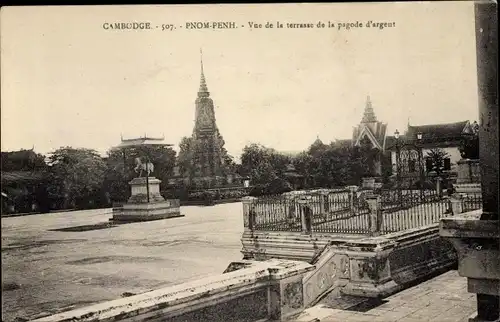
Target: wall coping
258, 275
468, 225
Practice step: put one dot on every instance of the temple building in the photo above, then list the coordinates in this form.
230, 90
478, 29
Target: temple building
414, 150
370, 134
208, 158
408, 154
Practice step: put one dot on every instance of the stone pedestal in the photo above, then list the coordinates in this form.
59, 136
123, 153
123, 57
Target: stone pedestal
468, 171
286, 290
139, 208
139, 190
369, 269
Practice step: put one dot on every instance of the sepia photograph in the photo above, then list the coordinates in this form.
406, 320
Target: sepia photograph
250, 162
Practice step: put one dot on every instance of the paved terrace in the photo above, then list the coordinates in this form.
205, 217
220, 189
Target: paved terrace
441, 299
46, 270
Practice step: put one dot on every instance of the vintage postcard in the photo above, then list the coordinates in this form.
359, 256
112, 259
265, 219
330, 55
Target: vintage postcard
242, 162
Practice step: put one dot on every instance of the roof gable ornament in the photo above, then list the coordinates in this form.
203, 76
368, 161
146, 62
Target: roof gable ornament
366, 133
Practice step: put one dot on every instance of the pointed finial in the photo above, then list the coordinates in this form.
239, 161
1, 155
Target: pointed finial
201, 60
203, 91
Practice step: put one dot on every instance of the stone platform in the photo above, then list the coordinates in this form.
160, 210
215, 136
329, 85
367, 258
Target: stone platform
141, 208
147, 211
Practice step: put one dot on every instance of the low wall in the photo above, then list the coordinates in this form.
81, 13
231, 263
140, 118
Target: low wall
249, 291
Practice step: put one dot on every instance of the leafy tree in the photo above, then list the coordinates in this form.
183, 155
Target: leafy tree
469, 148
76, 175
436, 157
263, 164
23, 160
333, 165
185, 157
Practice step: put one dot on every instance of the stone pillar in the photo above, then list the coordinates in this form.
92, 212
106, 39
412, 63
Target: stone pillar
248, 212
286, 291
374, 202
487, 71
477, 239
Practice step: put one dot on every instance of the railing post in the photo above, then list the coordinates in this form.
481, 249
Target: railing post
305, 214
353, 190
439, 187
248, 212
374, 203
457, 206
290, 208
324, 204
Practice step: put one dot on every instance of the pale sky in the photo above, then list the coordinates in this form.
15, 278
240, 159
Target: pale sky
68, 82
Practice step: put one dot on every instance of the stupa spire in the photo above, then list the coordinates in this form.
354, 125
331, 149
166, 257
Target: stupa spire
203, 91
369, 114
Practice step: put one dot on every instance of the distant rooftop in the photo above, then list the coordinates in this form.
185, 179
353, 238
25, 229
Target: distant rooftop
141, 141
430, 131
18, 176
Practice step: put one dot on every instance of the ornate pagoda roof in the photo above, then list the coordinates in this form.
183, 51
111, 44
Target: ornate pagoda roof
142, 141
369, 114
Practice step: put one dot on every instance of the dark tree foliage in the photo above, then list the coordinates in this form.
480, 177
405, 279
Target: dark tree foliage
321, 165
469, 148
76, 177
436, 158
120, 166
263, 164
24, 160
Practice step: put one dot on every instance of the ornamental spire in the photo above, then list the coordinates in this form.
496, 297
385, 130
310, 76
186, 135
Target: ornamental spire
203, 91
369, 114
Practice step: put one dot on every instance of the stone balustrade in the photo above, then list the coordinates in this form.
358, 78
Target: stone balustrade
371, 266
268, 290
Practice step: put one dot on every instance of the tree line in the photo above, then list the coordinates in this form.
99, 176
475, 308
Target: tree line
81, 178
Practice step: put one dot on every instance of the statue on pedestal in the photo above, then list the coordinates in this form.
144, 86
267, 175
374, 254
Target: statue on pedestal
146, 202
147, 167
